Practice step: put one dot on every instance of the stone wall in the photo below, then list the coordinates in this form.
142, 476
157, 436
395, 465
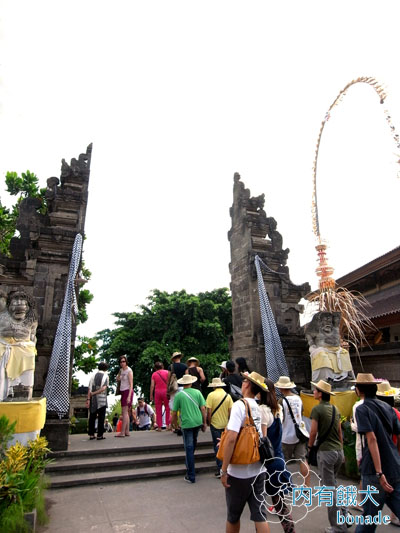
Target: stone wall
253, 233
40, 256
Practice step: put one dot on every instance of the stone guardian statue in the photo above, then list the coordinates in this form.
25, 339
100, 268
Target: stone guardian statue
18, 323
329, 361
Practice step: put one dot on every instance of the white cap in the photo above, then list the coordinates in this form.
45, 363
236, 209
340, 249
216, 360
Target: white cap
223, 365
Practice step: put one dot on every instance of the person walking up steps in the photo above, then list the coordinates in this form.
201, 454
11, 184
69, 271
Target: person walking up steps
192, 407
219, 405
292, 407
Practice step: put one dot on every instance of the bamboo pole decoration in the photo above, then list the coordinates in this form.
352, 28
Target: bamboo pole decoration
330, 297
380, 91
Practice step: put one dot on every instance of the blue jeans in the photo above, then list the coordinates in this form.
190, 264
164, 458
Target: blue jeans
216, 434
392, 500
190, 442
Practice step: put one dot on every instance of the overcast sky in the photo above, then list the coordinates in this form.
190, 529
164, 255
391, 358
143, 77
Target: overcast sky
176, 96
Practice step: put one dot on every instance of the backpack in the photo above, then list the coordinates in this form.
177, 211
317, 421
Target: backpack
145, 410
235, 392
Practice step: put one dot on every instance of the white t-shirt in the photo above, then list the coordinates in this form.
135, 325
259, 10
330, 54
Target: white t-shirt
288, 430
143, 417
267, 418
236, 421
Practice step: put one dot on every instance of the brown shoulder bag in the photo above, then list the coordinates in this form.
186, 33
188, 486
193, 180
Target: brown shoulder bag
246, 451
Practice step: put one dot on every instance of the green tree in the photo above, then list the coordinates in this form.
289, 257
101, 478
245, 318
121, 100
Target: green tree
24, 186
196, 325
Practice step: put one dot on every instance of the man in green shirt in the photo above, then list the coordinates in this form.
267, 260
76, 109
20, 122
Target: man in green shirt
330, 452
192, 407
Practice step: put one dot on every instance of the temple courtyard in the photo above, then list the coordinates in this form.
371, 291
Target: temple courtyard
162, 504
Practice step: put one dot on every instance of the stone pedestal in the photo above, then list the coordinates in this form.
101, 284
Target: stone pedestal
29, 417
57, 433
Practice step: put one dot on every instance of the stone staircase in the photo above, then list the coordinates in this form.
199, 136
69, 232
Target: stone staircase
115, 464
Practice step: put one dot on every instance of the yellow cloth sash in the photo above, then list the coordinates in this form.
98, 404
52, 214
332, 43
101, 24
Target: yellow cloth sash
20, 355
30, 416
344, 401
333, 357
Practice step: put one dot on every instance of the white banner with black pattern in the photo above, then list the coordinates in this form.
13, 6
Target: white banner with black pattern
56, 389
274, 355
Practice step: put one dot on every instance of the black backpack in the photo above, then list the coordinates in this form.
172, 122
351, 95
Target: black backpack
235, 392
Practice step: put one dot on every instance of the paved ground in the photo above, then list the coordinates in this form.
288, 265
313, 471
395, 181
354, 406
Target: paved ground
162, 506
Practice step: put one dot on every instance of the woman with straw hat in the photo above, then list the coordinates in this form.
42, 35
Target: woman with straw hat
195, 370
244, 483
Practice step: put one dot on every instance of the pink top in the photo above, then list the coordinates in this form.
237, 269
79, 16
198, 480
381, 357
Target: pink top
160, 379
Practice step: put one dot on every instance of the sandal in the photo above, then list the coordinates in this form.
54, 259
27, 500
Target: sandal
101, 438
119, 436
92, 437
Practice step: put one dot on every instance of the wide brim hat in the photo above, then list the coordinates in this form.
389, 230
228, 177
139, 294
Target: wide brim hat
284, 383
175, 354
323, 386
256, 378
187, 379
365, 379
194, 359
385, 389
217, 382
223, 365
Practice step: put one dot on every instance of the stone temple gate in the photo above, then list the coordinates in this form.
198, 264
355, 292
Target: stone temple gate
253, 233
39, 263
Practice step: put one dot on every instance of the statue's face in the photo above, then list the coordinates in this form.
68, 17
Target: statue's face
18, 308
326, 324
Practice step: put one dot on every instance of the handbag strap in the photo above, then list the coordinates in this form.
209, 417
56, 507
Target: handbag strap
321, 439
219, 405
248, 413
291, 412
188, 395
158, 372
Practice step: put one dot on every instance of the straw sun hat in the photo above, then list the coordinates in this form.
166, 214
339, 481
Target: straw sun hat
175, 354
284, 383
256, 378
187, 379
194, 359
217, 382
323, 386
365, 379
223, 365
385, 389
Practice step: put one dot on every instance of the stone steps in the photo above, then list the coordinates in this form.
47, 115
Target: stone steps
140, 474
112, 464
137, 461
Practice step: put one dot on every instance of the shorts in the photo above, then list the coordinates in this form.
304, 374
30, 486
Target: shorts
294, 451
242, 491
124, 398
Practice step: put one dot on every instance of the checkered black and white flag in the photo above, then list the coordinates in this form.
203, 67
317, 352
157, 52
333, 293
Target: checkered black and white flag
56, 389
274, 356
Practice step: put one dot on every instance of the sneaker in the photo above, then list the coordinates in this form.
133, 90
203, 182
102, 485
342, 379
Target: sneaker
217, 474
188, 480
271, 509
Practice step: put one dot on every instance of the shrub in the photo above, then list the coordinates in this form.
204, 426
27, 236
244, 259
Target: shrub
21, 480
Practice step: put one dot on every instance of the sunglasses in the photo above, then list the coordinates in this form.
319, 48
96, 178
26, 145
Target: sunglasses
123, 361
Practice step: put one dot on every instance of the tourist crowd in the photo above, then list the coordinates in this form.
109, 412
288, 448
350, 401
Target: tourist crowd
257, 427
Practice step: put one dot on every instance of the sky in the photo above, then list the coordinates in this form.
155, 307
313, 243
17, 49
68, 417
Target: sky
177, 96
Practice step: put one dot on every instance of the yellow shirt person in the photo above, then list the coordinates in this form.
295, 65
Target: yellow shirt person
218, 404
